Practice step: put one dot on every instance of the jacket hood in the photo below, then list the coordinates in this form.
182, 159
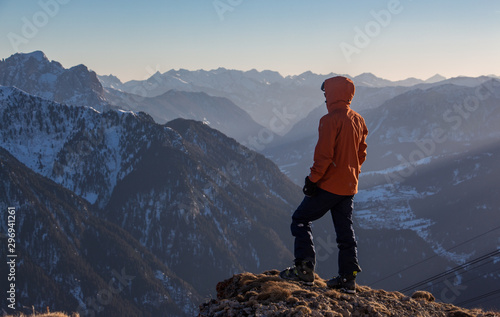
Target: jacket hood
339, 92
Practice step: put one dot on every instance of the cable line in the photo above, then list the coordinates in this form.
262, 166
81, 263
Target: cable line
470, 270
486, 300
465, 302
457, 268
435, 255
478, 277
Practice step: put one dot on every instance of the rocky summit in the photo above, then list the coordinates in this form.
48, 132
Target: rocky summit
266, 294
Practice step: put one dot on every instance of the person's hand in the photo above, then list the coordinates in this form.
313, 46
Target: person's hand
309, 188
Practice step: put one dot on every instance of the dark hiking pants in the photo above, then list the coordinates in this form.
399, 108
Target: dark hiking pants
313, 208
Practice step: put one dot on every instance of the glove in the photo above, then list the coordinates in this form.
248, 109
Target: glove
309, 188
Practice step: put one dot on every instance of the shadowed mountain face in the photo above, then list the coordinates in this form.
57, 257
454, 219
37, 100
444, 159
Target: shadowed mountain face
217, 207
70, 259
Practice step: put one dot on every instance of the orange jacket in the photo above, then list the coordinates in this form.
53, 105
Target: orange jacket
341, 147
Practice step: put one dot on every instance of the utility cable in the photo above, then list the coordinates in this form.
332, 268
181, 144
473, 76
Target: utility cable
457, 268
478, 277
471, 300
470, 270
435, 255
486, 300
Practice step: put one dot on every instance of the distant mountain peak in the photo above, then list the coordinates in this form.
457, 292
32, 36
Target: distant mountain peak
307, 73
367, 75
81, 67
111, 79
434, 79
370, 80
18, 61
38, 55
35, 74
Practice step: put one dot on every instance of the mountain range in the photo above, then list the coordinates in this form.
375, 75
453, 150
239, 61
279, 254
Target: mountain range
79, 86
264, 95
177, 182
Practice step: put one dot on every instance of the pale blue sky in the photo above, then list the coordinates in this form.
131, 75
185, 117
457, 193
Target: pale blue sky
131, 39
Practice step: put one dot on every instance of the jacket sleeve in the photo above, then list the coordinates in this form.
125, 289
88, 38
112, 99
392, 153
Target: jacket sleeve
324, 151
362, 146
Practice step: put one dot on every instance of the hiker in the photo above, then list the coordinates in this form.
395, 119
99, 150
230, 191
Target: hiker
330, 186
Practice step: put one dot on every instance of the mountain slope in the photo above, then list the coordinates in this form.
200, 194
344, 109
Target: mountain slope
217, 207
70, 259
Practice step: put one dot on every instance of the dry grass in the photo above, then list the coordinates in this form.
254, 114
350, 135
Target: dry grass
423, 295
55, 314
266, 294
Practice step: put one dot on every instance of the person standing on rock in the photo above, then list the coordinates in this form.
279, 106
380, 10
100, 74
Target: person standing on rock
331, 186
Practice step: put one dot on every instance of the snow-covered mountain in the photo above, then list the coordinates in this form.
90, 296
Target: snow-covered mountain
35, 74
84, 150
195, 198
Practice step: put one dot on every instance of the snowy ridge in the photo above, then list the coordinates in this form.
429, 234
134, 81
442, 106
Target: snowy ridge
60, 142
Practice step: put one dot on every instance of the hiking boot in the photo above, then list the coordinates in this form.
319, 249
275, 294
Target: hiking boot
346, 283
302, 271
